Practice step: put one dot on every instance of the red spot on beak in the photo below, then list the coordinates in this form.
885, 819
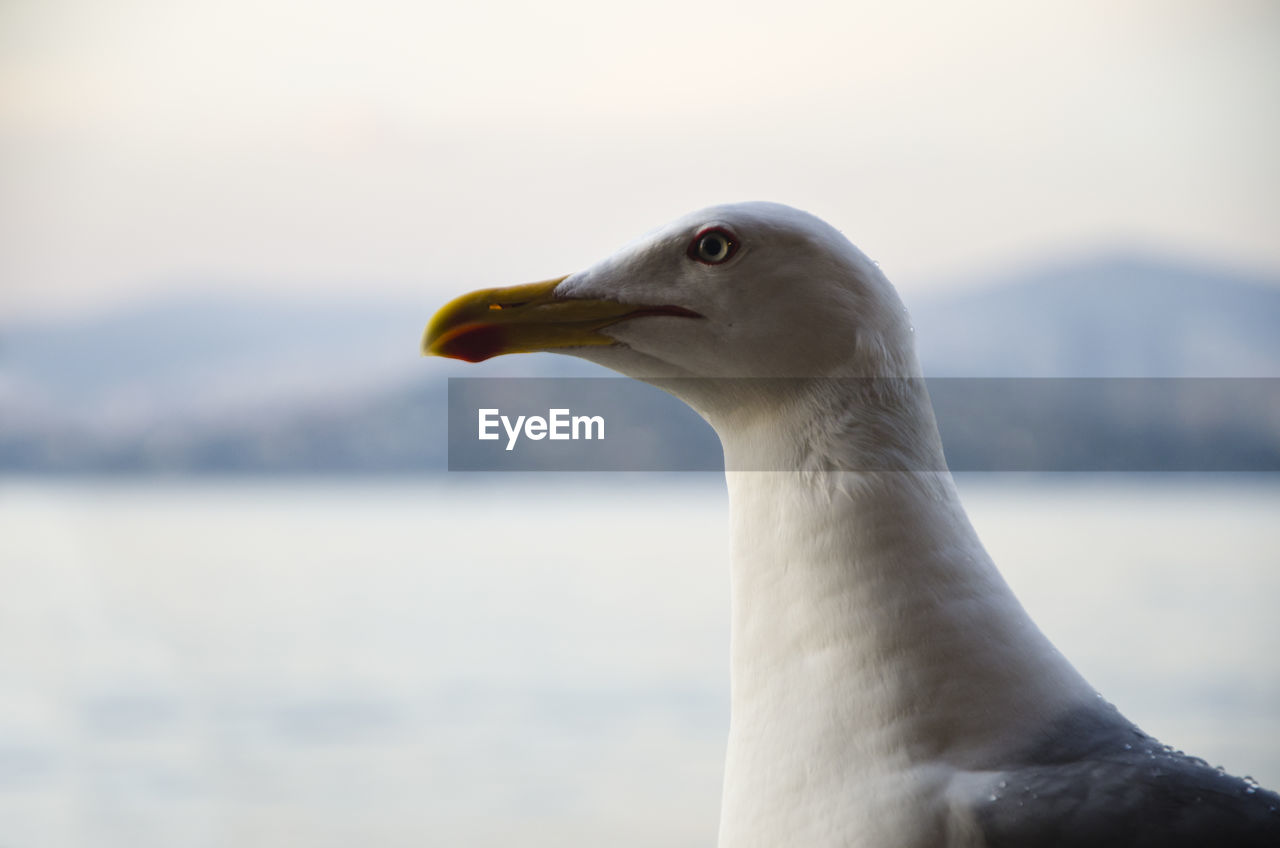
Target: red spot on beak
472, 342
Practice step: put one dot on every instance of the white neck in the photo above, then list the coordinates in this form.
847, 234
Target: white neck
875, 648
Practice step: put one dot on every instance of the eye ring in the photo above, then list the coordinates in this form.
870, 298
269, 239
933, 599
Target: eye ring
713, 246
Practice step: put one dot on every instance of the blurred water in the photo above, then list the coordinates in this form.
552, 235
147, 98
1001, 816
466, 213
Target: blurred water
521, 659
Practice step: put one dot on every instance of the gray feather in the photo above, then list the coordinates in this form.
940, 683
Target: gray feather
1096, 780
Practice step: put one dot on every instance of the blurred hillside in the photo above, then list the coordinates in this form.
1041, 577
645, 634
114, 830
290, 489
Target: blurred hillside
240, 385
1120, 315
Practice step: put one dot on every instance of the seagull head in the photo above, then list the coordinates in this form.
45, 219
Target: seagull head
745, 290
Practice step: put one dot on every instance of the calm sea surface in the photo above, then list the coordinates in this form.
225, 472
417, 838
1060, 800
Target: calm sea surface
522, 659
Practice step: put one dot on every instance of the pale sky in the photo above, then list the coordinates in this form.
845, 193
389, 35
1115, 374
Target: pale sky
322, 147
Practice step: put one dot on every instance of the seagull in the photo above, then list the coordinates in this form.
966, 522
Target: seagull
887, 688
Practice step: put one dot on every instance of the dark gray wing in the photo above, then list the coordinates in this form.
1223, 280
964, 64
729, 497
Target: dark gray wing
1096, 780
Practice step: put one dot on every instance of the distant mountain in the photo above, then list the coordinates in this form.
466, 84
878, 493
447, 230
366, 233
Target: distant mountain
202, 356
1121, 315
242, 385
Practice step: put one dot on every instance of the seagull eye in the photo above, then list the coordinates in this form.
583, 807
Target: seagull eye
713, 246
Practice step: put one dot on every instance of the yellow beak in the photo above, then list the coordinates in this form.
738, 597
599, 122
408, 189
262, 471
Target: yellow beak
524, 319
